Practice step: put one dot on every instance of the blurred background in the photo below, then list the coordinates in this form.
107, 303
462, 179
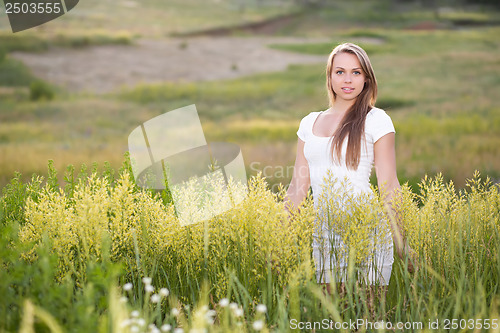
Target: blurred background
73, 89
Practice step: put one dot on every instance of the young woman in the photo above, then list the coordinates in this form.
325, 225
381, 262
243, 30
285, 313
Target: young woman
346, 141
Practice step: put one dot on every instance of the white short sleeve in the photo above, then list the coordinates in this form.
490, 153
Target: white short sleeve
378, 124
305, 127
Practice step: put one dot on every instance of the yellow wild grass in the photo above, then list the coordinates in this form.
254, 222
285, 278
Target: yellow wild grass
139, 229
451, 228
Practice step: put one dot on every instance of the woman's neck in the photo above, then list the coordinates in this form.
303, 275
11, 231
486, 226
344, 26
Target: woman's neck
340, 107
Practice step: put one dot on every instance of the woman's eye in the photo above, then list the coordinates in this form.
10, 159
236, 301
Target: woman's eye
357, 72
339, 72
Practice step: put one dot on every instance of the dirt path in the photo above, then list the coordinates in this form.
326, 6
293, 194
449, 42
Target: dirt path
102, 69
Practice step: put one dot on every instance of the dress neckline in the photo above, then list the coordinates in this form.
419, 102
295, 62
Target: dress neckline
314, 123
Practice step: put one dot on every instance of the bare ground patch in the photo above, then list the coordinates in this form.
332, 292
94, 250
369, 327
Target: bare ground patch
100, 69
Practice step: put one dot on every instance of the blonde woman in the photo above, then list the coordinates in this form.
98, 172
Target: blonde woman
346, 141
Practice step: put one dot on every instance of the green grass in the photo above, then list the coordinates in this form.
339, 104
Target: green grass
74, 287
157, 19
429, 82
14, 73
440, 88
443, 103
32, 42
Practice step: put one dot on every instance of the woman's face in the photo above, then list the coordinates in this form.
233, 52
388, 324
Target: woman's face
348, 78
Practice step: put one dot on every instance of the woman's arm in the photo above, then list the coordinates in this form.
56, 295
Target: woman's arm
385, 166
388, 184
300, 183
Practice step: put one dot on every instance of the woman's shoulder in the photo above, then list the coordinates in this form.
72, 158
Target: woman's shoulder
311, 116
306, 124
378, 123
377, 113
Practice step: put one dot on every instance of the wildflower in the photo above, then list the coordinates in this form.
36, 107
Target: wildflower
149, 288
153, 328
224, 302
258, 325
178, 330
155, 298
164, 292
123, 299
134, 314
141, 322
238, 312
127, 286
233, 306
134, 329
125, 323
262, 308
209, 316
166, 328
147, 280
174, 312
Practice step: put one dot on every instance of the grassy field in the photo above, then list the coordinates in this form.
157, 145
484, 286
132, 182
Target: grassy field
443, 103
79, 244
101, 255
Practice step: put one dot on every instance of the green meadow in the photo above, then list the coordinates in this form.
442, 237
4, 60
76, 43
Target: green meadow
79, 240
439, 86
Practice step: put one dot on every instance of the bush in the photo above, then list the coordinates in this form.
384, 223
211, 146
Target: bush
40, 90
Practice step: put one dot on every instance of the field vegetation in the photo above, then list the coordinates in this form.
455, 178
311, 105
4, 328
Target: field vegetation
83, 249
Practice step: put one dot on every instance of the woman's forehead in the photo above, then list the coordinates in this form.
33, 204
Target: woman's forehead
346, 61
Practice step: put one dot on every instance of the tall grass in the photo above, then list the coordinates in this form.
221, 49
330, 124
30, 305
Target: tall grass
66, 246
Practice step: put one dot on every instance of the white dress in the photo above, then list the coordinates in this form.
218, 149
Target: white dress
317, 151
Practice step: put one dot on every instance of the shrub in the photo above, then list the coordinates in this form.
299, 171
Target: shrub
40, 90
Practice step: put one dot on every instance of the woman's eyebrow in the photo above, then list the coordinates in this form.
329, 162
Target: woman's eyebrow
344, 68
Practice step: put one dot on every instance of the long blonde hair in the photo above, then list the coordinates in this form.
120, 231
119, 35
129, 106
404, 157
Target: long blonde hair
352, 125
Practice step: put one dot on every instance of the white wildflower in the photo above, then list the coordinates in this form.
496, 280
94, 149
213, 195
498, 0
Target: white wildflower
174, 312
164, 292
149, 288
238, 312
233, 306
147, 280
224, 302
155, 298
125, 323
123, 299
209, 316
134, 314
166, 328
153, 329
258, 325
262, 308
178, 330
127, 286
